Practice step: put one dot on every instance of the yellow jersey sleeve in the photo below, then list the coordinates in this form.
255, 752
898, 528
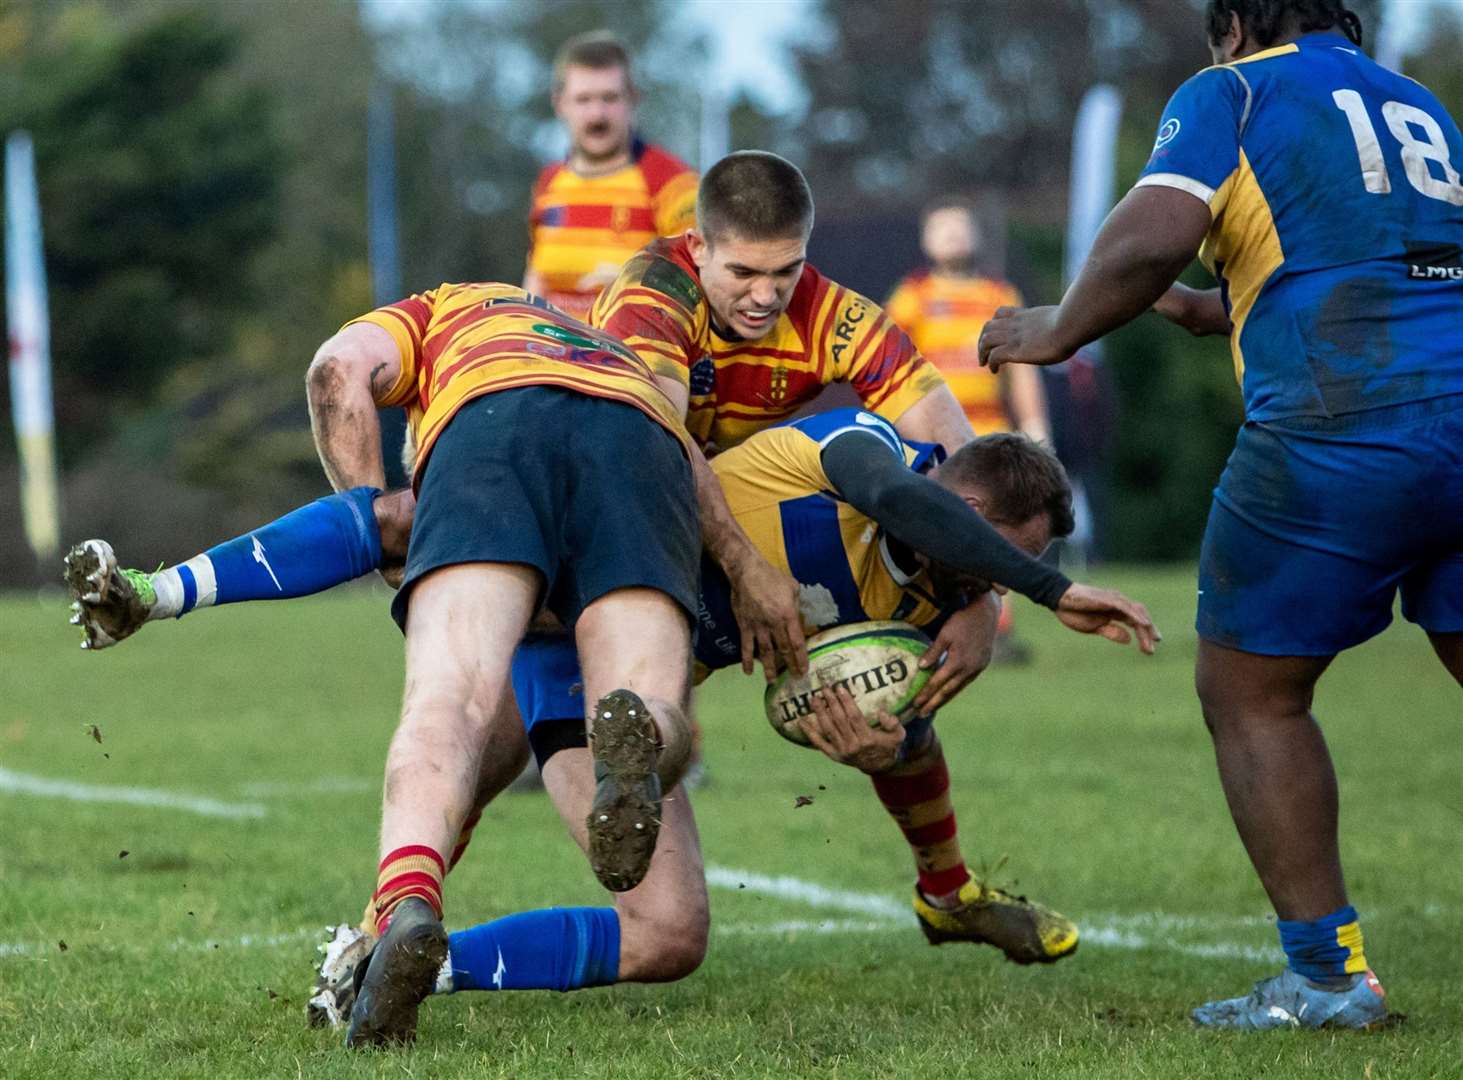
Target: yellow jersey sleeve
406, 321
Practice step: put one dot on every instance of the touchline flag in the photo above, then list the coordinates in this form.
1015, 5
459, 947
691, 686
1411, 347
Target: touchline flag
29, 331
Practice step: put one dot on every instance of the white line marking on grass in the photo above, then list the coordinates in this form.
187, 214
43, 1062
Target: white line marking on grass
23, 784
325, 785
806, 892
807, 926
1111, 931
243, 941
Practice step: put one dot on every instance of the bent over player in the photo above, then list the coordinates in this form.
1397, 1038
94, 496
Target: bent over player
1340, 261
515, 407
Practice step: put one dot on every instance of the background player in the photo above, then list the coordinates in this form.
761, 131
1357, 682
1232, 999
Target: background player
1338, 256
943, 309
613, 193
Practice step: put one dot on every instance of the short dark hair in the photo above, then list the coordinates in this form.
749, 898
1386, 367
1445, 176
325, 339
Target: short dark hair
599, 50
756, 195
1019, 477
1270, 20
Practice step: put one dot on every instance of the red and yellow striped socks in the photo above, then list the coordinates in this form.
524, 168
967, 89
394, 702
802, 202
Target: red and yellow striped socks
917, 796
415, 870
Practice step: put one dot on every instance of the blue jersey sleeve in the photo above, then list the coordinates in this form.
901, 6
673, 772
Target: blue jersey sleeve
1198, 144
824, 427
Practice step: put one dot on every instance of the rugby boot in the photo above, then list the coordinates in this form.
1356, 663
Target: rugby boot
1027, 933
624, 819
399, 976
335, 981
108, 602
1290, 1000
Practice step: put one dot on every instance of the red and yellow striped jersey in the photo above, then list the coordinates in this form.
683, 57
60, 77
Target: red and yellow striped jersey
459, 342
944, 315
581, 224
827, 334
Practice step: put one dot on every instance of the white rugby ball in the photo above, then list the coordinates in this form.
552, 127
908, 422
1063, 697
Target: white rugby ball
877, 661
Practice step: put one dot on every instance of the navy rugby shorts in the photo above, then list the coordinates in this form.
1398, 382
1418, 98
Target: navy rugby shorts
1318, 523
591, 492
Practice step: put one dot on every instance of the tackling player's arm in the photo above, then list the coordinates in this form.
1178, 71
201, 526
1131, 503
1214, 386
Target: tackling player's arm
351, 372
936, 418
764, 599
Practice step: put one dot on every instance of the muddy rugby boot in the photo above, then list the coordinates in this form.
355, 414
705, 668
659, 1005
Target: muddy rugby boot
624, 820
1027, 933
1290, 1000
330, 1002
108, 602
399, 976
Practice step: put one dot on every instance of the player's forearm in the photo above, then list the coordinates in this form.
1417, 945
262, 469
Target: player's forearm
1142, 248
936, 418
724, 540
1199, 311
345, 424
934, 521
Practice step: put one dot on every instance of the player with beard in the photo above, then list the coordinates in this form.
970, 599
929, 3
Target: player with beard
613, 193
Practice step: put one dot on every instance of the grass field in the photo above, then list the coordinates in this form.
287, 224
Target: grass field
1089, 773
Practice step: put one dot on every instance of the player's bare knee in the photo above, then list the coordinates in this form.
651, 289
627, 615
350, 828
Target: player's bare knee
662, 943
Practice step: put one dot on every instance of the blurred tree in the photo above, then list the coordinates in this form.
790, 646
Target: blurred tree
159, 182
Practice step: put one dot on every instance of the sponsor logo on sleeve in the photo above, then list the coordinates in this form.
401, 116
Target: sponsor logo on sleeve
1166, 133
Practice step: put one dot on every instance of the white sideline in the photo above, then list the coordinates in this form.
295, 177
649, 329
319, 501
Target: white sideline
24, 784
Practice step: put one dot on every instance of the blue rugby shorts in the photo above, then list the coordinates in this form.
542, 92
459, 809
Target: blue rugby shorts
1317, 524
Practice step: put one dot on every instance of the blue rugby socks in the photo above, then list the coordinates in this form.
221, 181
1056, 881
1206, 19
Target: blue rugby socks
1327, 950
328, 542
552, 949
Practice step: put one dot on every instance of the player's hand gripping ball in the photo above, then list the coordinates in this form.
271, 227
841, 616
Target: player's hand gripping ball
877, 661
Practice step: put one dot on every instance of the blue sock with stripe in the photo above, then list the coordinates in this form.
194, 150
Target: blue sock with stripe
1325, 949
552, 949
325, 543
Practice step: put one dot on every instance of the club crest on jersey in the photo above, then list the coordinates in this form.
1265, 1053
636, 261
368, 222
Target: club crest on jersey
1167, 132
703, 377
620, 218
777, 386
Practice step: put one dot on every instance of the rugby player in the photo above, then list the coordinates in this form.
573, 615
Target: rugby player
514, 406
942, 309
1323, 191
613, 193
839, 499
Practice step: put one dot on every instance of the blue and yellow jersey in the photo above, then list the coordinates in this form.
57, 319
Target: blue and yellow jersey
777, 490
1337, 233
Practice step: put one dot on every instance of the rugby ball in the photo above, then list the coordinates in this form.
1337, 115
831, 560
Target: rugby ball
877, 661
